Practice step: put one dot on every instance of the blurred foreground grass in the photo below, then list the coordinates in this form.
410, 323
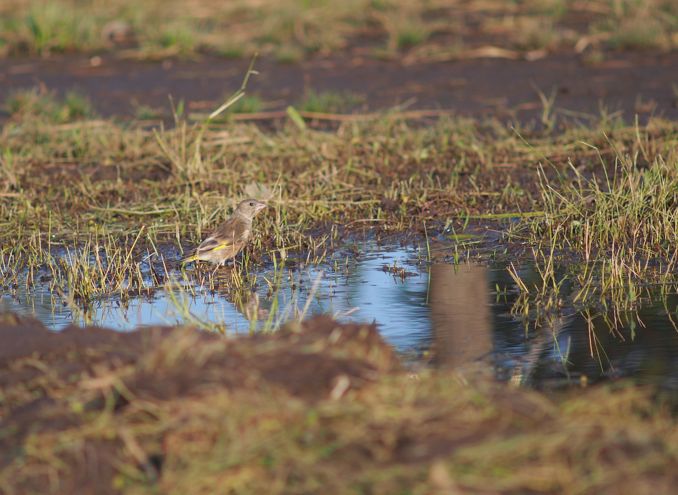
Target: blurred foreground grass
317, 407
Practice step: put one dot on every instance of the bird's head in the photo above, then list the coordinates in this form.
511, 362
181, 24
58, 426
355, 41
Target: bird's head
249, 208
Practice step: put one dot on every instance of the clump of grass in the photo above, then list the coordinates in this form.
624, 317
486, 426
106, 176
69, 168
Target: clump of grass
410, 34
628, 211
50, 27
9, 171
404, 27
289, 54
330, 102
40, 104
99, 268
535, 34
639, 34
645, 24
179, 38
146, 112
606, 235
247, 104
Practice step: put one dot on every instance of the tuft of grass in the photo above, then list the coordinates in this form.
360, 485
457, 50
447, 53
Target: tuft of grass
535, 34
179, 38
146, 112
49, 27
627, 212
410, 34
40, 104
608, 235
404, 27
247, 104
644, 24
330, 102
639, 34
289, 54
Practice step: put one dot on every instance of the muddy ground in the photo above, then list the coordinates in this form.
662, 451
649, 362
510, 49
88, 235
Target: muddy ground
39, 367
318, 405
631, 82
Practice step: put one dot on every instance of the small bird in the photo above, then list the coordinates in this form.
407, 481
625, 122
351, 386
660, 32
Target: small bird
230, 237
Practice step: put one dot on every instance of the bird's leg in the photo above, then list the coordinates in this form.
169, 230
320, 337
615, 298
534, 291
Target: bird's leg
216, 269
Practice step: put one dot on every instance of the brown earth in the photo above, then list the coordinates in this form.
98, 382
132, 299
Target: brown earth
632, 82
312, 361
318, 406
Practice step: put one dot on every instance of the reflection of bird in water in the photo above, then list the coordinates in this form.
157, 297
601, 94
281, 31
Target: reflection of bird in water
522, 374
248, 305
230, 237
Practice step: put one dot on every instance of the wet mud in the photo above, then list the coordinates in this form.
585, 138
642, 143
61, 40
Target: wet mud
630, 83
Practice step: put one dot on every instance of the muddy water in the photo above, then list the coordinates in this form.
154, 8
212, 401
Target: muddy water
443, 315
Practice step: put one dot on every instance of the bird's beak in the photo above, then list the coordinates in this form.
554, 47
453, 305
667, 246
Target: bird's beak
261, 206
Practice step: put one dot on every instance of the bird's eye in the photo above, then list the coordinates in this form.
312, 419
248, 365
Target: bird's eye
251, 203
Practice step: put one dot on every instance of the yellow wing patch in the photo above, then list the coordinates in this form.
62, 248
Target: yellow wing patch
198, 254
219, 247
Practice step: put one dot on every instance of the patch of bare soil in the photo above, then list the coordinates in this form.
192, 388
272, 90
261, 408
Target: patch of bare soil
632, 83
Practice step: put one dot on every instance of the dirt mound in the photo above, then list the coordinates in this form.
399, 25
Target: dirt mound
52, 382
318, 407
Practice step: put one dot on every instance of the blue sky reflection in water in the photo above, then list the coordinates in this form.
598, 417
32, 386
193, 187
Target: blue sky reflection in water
452, 316
360, 290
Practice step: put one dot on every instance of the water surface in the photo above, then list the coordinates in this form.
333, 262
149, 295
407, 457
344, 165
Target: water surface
442, 314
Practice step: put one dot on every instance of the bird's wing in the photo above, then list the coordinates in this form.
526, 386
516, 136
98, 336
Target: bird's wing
229, 233
213, 244
210, 244
233, 229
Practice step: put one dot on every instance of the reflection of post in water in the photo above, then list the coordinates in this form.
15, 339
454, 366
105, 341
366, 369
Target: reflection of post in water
460, 314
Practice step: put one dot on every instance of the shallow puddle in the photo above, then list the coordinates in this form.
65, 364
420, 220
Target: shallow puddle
443, 315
